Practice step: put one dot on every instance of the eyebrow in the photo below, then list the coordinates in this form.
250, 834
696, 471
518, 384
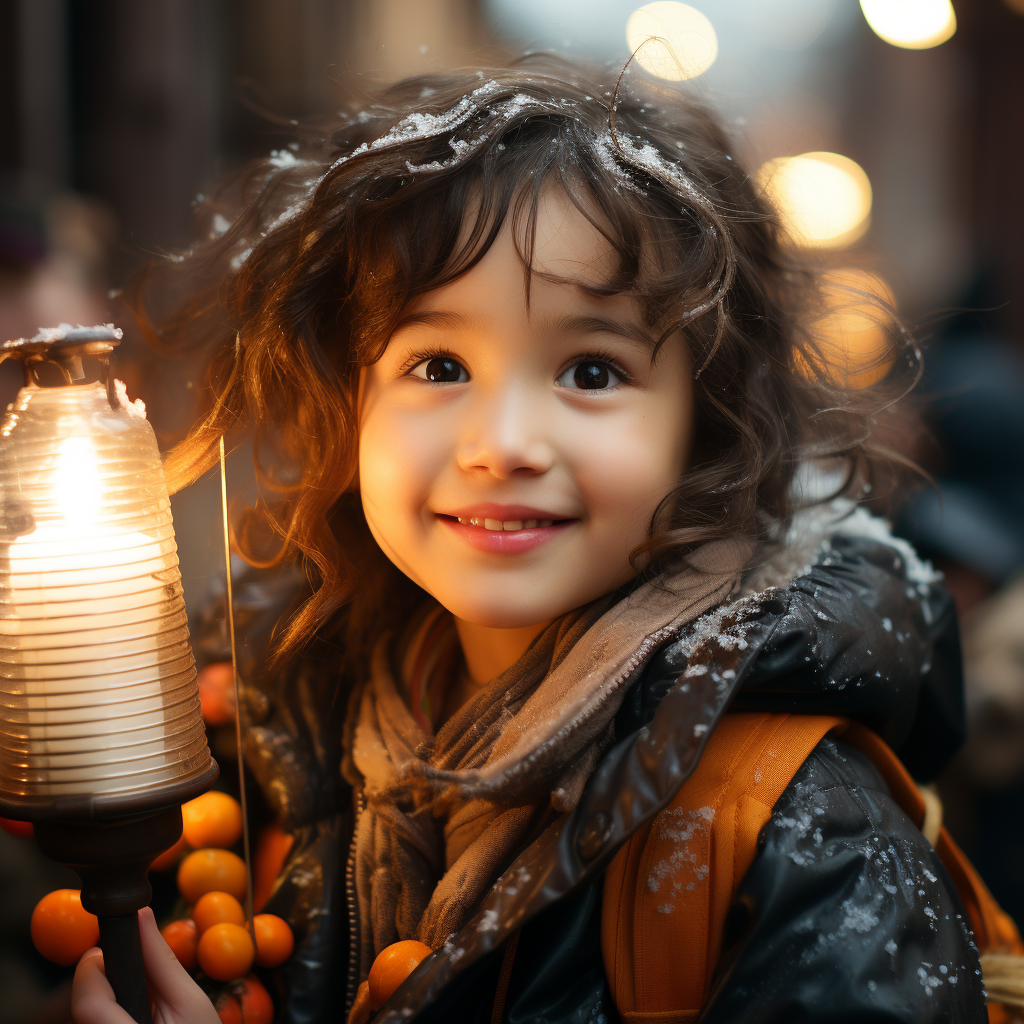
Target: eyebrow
432, 318
589, 324
573, 324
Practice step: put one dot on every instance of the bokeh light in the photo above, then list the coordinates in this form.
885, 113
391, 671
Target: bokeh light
854, 335
824, 199
912, 24
671, 40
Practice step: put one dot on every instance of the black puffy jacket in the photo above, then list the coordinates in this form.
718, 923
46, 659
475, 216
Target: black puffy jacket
858, 922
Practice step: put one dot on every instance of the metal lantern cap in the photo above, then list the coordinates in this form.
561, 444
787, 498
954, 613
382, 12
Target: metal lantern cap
64, 346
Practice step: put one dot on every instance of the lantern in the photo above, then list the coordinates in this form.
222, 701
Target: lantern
101, 730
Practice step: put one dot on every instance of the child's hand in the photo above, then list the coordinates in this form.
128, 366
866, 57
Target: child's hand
177, 999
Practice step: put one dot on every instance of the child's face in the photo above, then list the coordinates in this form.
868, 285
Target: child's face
548, 420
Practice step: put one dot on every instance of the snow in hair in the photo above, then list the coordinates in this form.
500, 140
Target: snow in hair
614, 151
417, 126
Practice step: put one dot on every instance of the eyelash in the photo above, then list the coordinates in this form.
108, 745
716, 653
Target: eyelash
421, 357
584, 357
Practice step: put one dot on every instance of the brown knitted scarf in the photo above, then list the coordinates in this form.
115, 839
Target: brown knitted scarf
445, 815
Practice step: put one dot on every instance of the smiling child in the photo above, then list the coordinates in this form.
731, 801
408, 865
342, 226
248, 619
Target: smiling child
594, 687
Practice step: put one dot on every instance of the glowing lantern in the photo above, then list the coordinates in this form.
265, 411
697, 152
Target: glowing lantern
824, 198
101, 729
911, 24
671, 40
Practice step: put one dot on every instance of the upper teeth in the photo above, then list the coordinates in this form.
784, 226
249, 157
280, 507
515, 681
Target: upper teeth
511, 524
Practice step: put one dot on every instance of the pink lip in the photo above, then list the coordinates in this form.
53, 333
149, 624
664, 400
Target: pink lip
498, 542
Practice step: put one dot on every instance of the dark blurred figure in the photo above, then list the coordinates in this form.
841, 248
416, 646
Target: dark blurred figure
972, 527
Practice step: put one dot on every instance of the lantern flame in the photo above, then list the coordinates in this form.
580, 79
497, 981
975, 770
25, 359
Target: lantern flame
76, 483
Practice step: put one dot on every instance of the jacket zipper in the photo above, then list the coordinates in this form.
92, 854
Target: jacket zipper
352, 901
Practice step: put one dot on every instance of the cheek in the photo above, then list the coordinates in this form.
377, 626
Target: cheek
397, 463
625, 470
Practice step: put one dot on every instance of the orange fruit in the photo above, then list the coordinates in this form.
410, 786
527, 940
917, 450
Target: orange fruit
214, 907
228, 1009
272, 847
18, 829
204, 871
274, 940
62, 929
183, 937
392, 966
213, 819
226, 951
217, 693
170, 857
257, 1006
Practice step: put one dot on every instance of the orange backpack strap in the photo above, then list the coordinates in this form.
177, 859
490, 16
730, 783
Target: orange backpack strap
668, 890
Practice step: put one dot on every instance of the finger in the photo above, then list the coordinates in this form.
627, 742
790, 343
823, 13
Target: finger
170, 982
92, 998
163, 971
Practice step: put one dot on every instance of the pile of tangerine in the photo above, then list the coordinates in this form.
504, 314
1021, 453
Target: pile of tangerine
212, 942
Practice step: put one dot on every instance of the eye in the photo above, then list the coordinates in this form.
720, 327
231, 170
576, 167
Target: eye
440, 370
591, 375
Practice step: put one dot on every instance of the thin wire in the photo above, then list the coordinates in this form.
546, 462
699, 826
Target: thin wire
238, 695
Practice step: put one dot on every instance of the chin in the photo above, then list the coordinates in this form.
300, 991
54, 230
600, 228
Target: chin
504, 612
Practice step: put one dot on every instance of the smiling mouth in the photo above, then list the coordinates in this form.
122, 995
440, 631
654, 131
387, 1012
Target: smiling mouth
506, 526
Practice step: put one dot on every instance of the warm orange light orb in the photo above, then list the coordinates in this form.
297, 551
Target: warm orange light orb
824, 199
671, 40
911, 24
852, 334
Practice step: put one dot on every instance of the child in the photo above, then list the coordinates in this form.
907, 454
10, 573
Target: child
586, 693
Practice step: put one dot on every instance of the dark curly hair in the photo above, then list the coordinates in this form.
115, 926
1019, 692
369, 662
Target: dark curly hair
331, 239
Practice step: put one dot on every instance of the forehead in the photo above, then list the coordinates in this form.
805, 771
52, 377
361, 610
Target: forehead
546, 253
566, 242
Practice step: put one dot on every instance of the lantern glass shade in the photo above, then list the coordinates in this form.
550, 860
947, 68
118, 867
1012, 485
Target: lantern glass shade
99, 707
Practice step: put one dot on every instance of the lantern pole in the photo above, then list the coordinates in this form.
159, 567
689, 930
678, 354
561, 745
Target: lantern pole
112, 859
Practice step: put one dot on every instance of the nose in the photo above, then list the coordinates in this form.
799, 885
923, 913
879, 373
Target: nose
506, 434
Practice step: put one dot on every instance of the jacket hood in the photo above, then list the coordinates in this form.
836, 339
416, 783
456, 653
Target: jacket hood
862, 629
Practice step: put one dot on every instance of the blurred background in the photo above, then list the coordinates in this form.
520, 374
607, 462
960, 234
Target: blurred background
890, 132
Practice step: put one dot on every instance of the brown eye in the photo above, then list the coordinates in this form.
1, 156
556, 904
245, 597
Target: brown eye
590, 375
441, 370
